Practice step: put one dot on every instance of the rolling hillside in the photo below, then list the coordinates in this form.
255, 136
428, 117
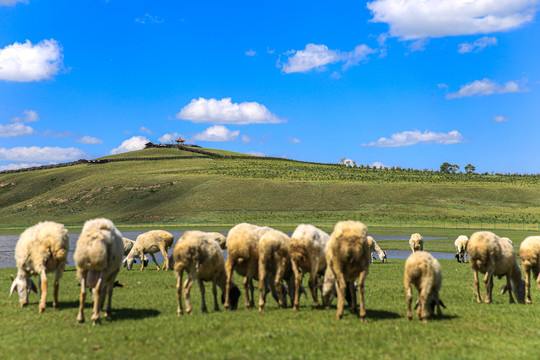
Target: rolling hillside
189, 186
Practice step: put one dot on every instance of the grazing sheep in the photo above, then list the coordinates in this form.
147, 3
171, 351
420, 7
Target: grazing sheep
492, 255
374, 247
329, 289
461, 248
243, 256
424, 272
199, 254
128, 245
274, 261
40, 249
416, 242
347, 254
308, 244
529, 251
149, 243
98, 256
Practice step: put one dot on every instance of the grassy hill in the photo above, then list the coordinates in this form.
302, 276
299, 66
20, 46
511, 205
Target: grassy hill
201, 188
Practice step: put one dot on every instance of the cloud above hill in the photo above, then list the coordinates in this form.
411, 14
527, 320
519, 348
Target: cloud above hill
409, 138
224, 111
415, 19
217, 133
27, 62
132, 144
41, 155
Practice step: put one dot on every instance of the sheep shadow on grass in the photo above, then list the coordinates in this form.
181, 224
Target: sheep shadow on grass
117, 313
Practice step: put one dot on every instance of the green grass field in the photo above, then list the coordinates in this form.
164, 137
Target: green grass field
145, 324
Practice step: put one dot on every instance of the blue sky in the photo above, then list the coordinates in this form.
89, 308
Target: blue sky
387, 82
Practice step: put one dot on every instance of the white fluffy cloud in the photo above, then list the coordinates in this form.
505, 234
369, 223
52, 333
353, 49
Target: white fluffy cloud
15, 129
316, 57
246, 139
149, 19
145, 130
217, 133
499, 118
89, 140
379, 165
257, 153
167, 138
251, 52
408, 138
416, 19
224, 111
477, 45
16, 166
294, 140
27, 62
131, 144
42, 155
485, 87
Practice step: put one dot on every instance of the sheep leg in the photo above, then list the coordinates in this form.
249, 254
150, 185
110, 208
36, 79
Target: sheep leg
509, 287
179, 274
229, 267
409, 301
527, 275
352, 292
97, 299
187, 297
278, 282
488, 284
80, 316
166, 257
341, 287
422, 299
108, 309
203, 300
154, 258
477, 286
262, 283
56, 285
214, 293
361, 295
537, 276
297, 282
43, 287
312, 282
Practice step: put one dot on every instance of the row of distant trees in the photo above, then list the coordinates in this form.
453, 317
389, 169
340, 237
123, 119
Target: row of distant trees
447, 168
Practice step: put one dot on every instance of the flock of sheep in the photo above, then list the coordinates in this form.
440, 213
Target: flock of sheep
264, 254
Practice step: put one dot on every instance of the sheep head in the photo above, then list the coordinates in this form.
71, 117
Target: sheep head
384, 257
23, 287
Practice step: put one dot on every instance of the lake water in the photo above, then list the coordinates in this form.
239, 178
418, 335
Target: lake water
8, 242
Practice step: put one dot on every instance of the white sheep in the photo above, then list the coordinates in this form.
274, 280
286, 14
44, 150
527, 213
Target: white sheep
243, 256
416, 242
151, 242
128, 245
461, 248
529, 251
347, 254
274, 262
424, 272
98, 256
492, 255
199, 254
40, 249
308, 244
374, 247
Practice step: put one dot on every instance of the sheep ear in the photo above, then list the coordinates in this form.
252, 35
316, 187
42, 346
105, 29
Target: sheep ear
441, 303
504, 289
416, 305
13, 287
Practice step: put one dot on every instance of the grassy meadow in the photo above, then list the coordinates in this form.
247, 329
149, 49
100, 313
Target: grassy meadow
200, 190
145, 323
